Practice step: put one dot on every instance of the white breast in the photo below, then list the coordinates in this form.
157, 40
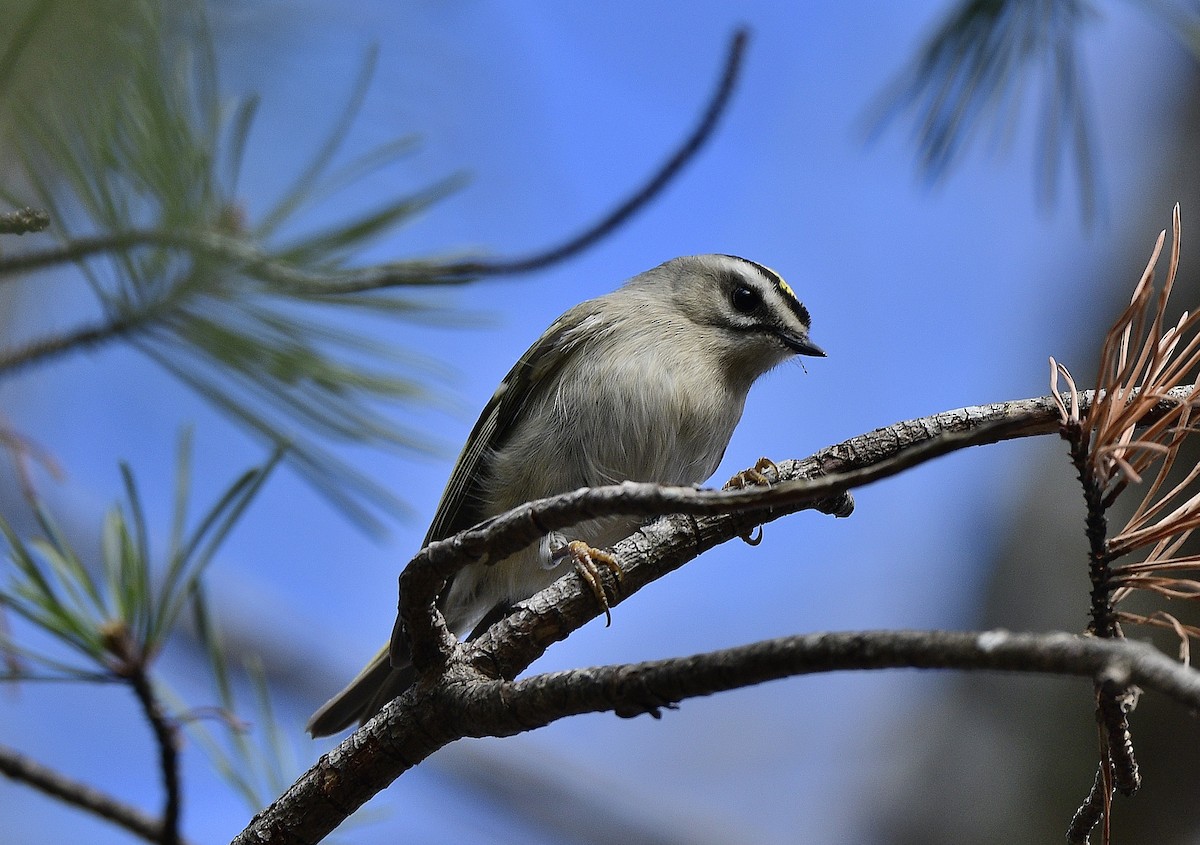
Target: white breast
606, 419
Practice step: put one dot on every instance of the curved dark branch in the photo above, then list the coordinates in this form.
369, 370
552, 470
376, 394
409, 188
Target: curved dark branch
675, 163
382, 276
19, 767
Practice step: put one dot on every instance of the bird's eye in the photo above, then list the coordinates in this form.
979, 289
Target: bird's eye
744, 299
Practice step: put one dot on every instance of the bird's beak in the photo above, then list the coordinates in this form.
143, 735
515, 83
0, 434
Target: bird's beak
801, 345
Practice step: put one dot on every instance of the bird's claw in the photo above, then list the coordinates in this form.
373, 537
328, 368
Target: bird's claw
756, 476
587, 562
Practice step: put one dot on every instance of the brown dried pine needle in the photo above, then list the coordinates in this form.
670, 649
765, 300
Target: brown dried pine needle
1141, 361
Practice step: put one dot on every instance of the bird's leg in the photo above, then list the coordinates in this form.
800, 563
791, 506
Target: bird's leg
755, 476
587, 562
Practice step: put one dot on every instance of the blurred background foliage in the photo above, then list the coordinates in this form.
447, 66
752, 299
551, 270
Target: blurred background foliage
116, 120
140, 176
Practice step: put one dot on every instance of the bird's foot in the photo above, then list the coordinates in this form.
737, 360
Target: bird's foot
756, 476
587, 562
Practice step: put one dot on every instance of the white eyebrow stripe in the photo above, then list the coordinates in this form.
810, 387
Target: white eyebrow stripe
784, 289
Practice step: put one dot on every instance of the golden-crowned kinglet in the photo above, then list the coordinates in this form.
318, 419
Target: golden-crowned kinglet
643, 384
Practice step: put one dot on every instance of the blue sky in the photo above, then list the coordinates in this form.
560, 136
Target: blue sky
927, 297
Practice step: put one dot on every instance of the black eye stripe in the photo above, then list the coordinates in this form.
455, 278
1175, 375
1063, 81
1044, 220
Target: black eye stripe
784, 289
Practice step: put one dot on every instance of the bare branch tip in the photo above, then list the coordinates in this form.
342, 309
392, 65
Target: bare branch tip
23, 221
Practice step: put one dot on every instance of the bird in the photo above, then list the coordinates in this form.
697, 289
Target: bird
645, 383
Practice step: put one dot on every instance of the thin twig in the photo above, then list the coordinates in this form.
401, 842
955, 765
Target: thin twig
1103, 622
12, 361
1118, 762
685, 153
19, 767
1113, 706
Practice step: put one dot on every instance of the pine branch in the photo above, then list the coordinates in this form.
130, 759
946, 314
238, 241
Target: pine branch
633, 689
166, 736
207, 294
969, 78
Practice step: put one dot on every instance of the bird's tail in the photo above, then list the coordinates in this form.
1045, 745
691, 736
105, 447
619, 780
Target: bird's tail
363, 697
384, 678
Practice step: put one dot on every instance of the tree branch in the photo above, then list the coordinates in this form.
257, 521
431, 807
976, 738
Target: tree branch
428, 716
19, 767
469, 697
129, 663
809, 483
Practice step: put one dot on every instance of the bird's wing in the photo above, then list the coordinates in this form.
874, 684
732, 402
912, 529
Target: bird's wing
462, 501
462, 504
